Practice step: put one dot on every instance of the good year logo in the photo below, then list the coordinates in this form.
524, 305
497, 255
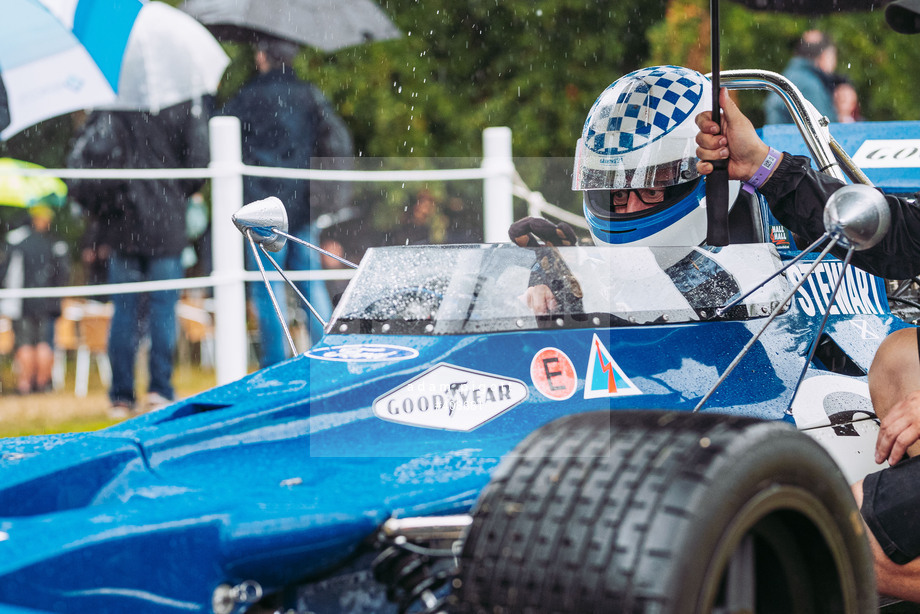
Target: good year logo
450, 398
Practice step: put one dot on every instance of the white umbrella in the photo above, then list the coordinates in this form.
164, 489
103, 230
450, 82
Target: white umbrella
170, 58
47, 69
58, 56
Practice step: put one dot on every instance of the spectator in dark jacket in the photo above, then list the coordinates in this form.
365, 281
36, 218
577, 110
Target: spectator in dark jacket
287, 122
34, 258
144, 220
811, 70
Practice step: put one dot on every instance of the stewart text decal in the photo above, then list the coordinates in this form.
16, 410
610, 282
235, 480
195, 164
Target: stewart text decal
859, 292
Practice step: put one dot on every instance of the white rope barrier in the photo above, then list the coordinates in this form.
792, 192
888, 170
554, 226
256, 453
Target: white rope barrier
184, 283
537, 205
225, 170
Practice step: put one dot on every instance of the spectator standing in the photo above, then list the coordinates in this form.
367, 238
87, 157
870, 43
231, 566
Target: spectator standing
846, 101
463, 223
285, 122
34, 258
145, 221
95, 251
422, 224
331, 243
810, 70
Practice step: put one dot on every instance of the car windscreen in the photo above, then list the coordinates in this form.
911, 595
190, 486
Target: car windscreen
459, 289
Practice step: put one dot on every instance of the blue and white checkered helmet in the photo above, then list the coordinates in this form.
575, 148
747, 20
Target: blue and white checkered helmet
640, 133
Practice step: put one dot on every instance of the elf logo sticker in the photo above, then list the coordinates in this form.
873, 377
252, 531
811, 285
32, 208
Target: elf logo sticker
553, 374
605, 378
450, 398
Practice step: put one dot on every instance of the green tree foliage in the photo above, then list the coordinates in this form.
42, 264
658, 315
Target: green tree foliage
878, 61
535, 66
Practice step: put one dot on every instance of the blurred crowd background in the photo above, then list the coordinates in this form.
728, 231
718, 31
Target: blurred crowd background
422, 99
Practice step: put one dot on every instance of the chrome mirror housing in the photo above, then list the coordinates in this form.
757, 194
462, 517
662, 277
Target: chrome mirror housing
857, 216
261, 219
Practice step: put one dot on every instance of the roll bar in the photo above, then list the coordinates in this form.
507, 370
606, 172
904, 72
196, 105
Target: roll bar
827, 153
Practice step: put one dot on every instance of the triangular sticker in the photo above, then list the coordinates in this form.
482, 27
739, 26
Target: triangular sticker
605, 378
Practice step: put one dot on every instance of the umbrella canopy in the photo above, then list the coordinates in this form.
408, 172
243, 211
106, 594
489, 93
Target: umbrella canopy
327, 25
170, 58
50, 68
58, 56
18, 190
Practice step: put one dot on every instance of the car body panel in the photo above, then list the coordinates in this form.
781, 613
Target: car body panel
284, 476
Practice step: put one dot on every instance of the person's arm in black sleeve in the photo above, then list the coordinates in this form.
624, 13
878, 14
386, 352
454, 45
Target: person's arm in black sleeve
191, 123
797, 194
334, 149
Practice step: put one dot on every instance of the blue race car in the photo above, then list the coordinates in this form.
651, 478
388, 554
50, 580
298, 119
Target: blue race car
443, 448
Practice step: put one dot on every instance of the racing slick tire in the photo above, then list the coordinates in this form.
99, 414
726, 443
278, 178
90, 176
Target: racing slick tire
666, 512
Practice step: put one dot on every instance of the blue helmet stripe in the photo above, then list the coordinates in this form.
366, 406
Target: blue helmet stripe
629, 231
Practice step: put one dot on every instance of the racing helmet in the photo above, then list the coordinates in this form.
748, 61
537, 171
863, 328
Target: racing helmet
640, 133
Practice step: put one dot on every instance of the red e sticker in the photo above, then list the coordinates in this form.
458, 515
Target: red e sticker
553, 374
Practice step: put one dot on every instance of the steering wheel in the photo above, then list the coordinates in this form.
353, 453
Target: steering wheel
412, 303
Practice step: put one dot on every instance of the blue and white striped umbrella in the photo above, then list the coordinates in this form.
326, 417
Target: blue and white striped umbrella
58, 56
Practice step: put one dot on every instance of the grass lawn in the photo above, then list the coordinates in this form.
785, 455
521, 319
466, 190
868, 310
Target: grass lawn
62, 411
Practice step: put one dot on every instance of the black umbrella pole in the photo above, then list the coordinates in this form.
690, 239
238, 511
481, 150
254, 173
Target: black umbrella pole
717, 204
717, 181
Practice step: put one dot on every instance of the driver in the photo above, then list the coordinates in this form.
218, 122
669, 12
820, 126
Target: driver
636, 165
889, 499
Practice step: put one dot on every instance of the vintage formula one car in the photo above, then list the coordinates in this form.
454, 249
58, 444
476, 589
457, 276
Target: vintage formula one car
648, 447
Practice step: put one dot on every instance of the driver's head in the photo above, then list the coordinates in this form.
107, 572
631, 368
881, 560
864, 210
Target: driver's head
636, 159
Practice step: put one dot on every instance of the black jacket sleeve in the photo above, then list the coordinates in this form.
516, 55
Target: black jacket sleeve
797, 193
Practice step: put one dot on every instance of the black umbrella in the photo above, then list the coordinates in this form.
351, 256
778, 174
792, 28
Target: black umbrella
327, 25
812, 7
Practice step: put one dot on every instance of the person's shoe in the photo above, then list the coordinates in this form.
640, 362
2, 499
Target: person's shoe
155, 400
120, 410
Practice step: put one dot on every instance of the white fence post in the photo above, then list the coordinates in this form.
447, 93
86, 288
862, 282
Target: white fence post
497, 204
231, 349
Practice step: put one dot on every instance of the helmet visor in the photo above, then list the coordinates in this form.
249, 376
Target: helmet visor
651, 170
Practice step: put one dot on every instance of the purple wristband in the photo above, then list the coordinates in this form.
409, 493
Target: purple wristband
762, 173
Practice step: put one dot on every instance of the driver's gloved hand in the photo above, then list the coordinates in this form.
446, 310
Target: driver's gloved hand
535, 231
